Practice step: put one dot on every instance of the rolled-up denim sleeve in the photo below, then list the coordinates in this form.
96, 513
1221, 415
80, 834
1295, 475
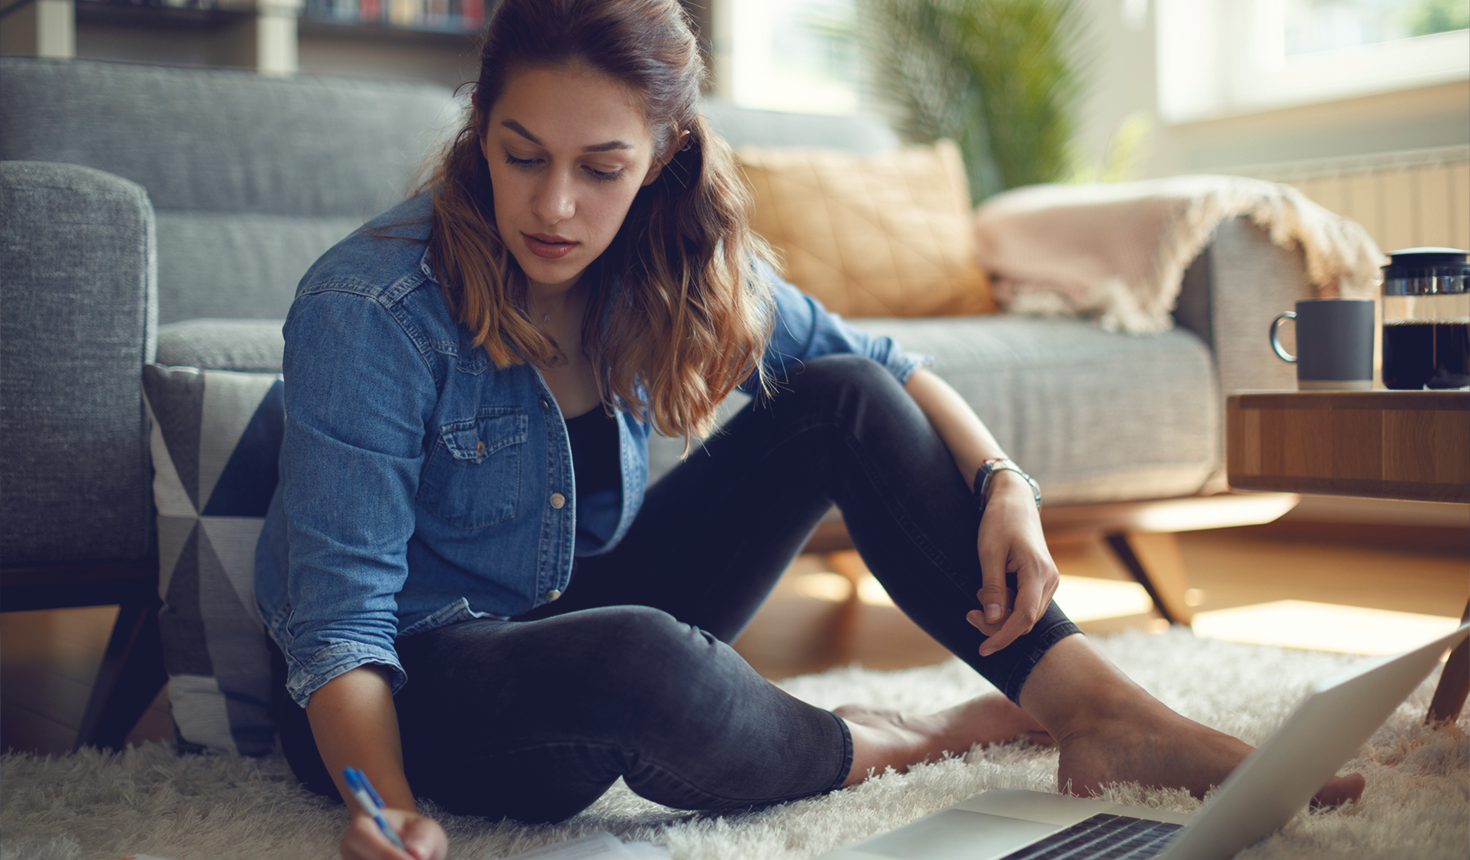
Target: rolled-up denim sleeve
805, 329
359, 394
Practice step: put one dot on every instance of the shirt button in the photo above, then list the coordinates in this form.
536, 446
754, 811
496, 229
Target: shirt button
558, 500
480, 449
552, 595
545, 406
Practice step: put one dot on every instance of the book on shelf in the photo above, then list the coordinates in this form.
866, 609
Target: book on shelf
237, 6
445, 16
227, 5
452, 16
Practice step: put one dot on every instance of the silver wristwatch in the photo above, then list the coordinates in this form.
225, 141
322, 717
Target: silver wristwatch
988, 469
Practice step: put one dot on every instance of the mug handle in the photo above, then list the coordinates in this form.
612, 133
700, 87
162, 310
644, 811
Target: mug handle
1276, 344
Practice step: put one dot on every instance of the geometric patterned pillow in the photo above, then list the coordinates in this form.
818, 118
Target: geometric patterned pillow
215, 442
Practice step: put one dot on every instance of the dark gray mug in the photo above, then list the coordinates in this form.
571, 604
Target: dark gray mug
1334, 344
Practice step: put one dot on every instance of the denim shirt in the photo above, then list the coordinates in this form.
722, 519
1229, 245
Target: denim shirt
420, 484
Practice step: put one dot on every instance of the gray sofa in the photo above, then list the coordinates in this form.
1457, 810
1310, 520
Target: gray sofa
158, 213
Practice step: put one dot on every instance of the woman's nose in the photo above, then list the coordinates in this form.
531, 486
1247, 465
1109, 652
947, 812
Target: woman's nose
554, 200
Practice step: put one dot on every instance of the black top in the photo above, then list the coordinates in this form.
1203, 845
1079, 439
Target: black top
594, 439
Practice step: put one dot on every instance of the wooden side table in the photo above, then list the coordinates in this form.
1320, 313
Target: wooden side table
1381, 444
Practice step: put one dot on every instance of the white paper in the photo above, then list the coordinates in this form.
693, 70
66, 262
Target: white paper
646, 851
598, 846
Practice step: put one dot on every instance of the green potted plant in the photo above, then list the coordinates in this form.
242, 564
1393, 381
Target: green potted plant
1000, 77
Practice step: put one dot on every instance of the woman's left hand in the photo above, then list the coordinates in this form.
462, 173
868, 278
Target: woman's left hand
1011, 542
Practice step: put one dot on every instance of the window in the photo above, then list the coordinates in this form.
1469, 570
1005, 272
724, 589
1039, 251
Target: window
792, 55
1222, 57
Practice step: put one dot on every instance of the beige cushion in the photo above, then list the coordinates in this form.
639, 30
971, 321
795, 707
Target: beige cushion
871, 236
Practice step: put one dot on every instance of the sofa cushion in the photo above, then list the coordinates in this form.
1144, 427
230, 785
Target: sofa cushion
1093, 416
250, 346
856, 132
884, 235
252, 177
226, 140
216, 438
250, 262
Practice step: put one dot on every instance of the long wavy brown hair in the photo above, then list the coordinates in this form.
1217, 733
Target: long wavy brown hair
690, 320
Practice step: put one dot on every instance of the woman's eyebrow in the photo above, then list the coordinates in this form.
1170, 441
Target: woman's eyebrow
600, 147
521, 130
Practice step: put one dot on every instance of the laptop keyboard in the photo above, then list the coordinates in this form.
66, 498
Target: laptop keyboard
1102, 837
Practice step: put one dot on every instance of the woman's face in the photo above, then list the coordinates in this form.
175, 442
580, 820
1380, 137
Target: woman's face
568, 149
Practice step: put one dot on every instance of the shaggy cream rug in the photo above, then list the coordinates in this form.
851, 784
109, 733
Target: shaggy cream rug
149, 800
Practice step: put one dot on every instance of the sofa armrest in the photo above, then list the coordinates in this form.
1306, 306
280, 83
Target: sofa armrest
1232, 292
77, 321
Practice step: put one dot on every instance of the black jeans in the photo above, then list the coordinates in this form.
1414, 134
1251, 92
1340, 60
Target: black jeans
629, 674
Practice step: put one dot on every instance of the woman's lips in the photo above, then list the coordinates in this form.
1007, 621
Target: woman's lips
547, 246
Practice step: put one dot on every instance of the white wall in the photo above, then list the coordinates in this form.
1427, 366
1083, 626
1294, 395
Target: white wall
1124, 81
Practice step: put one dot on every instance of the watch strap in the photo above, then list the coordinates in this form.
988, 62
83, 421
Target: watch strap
987, 471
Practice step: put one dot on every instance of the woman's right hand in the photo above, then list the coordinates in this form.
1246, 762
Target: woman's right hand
423, 836
356, 725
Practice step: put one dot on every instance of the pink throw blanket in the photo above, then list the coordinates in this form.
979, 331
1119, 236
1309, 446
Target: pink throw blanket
1118, 251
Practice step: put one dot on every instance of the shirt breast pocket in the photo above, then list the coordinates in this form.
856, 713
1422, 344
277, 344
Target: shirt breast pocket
473, 475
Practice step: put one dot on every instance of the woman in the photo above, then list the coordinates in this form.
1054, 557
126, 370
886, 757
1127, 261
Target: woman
473, 595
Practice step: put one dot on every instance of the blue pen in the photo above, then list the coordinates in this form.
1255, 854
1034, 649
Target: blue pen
371, 803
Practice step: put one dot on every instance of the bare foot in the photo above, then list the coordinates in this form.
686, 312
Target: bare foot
884, 738
1160, 747
1110, 730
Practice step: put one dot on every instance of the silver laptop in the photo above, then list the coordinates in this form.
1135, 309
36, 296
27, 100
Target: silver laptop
1268, 788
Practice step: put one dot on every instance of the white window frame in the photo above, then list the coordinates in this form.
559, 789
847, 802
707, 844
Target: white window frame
1219, 58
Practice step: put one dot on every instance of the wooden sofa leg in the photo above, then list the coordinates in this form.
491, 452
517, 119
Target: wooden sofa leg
1454, 683
1153, 558
130, 676
844, 629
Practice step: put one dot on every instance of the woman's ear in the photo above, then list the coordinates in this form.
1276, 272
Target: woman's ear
657, 166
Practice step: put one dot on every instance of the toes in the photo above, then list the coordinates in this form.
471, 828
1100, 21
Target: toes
1340, 790
860, 713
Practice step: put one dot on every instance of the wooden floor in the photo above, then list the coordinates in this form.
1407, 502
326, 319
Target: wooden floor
48, 659
1401, 569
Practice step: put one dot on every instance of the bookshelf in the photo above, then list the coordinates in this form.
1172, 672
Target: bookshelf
425, 39
43, 28
433, 40
454, 18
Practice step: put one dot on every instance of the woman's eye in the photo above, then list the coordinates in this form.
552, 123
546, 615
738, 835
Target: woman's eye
603, 175
535, 162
